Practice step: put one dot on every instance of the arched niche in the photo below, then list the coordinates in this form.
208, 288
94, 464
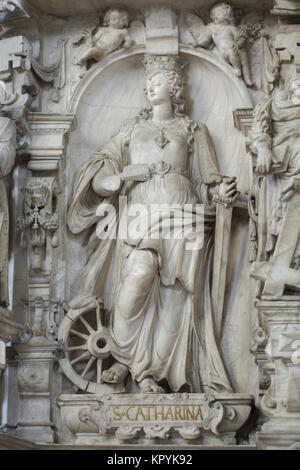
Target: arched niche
112, 91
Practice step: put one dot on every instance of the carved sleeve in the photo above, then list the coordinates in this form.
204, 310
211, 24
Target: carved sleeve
82, 212
262, 126
109, 168
204, 165
114, 155
7, 146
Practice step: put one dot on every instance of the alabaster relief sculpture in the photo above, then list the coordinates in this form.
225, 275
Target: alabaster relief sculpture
113, 35
161, 322
275, 143
7, 161
131, 312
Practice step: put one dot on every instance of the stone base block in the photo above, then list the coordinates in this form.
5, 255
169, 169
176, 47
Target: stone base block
36, 434
172, 419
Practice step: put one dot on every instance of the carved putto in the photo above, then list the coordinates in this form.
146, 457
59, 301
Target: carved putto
231, 41
113, 35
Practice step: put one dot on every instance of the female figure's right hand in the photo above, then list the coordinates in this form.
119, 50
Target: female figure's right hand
106, 185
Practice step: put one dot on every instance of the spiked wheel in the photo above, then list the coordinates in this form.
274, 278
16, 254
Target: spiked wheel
85, 343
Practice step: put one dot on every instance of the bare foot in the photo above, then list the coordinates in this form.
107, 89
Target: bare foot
148, 385
117, 373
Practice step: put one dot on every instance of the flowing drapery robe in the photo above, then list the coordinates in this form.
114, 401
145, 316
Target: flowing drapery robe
284, 137
285, 145
172, 337
7, 160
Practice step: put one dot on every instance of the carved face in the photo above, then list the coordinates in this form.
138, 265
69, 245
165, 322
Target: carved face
157, 89
221, 12
36, 197
117, 19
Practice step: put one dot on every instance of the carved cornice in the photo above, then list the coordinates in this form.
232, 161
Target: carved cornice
37, 348
78, 7
243, 120
45, 128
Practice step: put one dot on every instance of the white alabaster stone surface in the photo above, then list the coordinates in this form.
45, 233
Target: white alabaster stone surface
212, 93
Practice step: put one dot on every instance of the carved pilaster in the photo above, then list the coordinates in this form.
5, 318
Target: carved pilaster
9, 331
35, 360
10, 404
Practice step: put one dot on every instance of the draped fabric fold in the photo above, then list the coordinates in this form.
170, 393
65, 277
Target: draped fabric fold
7, 160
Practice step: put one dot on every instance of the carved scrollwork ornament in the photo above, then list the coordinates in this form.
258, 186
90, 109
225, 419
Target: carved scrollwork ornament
259, 336
96, 415
189, 432
127, 432
157, 431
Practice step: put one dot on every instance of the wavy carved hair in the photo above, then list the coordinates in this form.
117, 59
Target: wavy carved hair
122, 13
176, 88
215, 9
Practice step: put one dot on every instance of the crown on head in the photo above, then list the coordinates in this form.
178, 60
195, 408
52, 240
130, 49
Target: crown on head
161, 63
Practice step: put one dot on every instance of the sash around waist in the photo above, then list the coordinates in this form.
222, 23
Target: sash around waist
163, 168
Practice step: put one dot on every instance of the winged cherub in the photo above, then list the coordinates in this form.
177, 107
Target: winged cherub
229, 39
113, 35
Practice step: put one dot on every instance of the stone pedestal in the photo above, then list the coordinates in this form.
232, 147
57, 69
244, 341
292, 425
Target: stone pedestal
9, 330
35, 383
172, 419
281, 403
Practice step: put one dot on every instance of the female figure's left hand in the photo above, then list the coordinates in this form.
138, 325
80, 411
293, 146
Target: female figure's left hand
228, 188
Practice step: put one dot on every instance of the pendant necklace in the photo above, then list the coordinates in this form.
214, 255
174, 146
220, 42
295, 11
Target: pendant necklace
161, 140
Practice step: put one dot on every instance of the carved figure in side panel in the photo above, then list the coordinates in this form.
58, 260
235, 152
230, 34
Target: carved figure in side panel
275, 143
7, 160
231, 41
